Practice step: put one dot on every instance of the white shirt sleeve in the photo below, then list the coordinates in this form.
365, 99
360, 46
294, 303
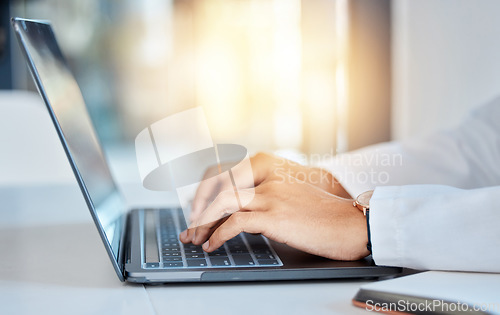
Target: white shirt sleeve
436, 227
436, 200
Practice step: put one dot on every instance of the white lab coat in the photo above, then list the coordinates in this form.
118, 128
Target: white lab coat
436, 203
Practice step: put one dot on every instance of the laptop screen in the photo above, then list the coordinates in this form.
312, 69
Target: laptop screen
65, 103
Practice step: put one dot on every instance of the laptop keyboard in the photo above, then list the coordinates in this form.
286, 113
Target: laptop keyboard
244, 250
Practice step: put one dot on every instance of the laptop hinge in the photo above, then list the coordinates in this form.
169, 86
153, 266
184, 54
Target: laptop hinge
124, 247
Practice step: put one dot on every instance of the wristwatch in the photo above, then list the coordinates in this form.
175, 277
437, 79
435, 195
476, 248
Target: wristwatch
362, 202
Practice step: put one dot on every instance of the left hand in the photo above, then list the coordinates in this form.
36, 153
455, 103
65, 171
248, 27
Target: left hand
288, 211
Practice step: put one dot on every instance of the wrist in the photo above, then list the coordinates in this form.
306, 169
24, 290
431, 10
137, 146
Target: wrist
358, 233
363, 238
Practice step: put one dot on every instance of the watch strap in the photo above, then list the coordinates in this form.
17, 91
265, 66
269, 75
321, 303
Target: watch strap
369, 244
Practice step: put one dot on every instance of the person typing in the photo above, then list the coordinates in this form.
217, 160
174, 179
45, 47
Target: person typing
436, 209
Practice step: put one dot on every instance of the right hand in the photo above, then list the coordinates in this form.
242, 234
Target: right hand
289, 211
263, 166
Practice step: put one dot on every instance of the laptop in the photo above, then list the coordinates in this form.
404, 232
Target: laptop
143, 244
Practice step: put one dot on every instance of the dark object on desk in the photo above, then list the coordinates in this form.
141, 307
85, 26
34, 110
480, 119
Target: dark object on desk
433, 292
139, 243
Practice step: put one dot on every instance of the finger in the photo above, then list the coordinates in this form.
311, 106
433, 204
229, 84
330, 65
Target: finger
224, 205
219, 178
247, 173
228, 202
186, 236
203, 232
250, 222
207, 190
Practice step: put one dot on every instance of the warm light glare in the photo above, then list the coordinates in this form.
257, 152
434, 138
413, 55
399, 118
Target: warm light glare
341, 74
270, 74
287, 66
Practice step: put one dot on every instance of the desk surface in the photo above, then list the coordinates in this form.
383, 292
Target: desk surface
53, 262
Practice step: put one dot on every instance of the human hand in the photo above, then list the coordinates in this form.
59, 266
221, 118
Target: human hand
263, 166
287, 210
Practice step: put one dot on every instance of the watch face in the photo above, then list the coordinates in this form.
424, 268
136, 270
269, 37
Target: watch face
364, 198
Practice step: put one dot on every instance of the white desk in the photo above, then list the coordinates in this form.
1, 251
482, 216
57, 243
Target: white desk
53, 261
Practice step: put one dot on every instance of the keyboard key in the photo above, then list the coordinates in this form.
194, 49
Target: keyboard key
170, 240
196, 262
268, 262
262, 251
170, 259
264, 256
172, 264
182, 223
194, 251
191, 246
152, 265
220, 261
239, 251
259, 246
170, 245
170, 250
255, 239
217, 253
171, 254
243, 260
235, 244
220, 250
188, 255
235, 240
169, 230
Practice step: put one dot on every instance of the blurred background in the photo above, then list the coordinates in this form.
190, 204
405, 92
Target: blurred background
293, 76
270, 74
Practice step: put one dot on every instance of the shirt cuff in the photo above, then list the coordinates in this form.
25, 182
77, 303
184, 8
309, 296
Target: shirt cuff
385, 229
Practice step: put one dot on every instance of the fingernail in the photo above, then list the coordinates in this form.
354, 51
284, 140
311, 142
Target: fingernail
206, 245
